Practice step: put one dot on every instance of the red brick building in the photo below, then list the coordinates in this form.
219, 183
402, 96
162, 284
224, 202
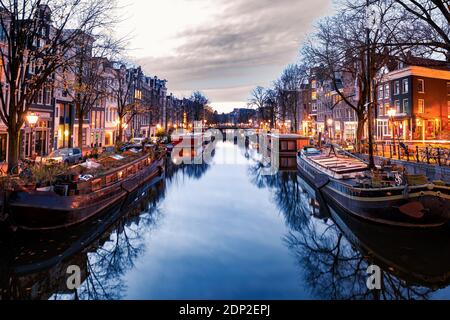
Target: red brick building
420, 96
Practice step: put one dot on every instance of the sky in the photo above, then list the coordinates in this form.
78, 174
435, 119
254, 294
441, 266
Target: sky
224, 48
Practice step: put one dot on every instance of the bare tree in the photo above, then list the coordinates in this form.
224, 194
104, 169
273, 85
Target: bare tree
288, 87
83, 77
34, 44
425, 25
199, 101
341, 53
122, 89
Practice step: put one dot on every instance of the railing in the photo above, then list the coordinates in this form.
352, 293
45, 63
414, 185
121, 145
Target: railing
434, 154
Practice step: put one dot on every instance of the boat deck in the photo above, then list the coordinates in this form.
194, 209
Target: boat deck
339, 165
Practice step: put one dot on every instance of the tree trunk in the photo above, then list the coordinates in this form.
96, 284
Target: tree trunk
80, 130
13, 149
360, 132
120, 139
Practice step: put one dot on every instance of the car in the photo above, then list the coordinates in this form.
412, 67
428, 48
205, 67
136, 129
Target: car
66, 156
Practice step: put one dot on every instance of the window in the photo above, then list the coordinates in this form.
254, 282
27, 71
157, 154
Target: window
383, 128
3, 33
421, 108
380, 93
386, 91
405, 86
405, 106
397, 88
39, 97
48, 96
381, 109
448, 88
397, 106
386, 108
421, 85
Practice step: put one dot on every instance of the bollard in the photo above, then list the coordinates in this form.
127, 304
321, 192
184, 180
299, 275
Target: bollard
399, 152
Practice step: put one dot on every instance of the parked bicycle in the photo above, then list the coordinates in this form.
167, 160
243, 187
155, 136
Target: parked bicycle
23, 169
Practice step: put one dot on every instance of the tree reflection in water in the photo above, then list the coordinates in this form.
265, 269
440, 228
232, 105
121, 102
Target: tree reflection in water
107, 263
332, 267
116, 252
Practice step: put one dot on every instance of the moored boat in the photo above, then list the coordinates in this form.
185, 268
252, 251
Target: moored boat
39, 211
398, 200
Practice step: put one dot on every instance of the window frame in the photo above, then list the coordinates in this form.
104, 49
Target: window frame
420, 88
421, 106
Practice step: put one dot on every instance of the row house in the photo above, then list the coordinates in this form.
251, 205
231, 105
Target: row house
414, 101
56, 103
328, 113
35, 140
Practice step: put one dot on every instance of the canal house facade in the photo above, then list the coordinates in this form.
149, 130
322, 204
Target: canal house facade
420, 97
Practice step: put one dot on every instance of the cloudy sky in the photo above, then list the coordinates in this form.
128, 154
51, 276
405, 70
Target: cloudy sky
223, 48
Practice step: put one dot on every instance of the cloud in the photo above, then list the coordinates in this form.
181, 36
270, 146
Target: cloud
246, 44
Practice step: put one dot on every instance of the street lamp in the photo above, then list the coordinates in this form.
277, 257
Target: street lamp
32, 119
330, 127
391, 114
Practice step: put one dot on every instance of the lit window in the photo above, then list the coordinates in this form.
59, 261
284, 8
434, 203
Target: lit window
397, 106
421, 108
386, 91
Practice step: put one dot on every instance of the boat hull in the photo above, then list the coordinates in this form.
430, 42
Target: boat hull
380, 206
40, 211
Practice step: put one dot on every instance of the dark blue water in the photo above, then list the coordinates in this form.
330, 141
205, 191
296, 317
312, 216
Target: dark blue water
224, 231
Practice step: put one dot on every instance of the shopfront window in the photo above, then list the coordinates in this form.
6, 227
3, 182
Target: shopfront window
350, 131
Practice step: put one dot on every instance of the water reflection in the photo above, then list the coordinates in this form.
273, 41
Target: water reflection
35, 266
333, 250
212, 231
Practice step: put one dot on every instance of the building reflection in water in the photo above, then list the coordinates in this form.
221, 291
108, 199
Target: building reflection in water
334, 250
331, 249
35, 266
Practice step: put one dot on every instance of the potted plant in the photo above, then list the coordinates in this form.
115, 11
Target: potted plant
45, 176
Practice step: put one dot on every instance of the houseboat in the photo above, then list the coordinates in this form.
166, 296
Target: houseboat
74, 203
190, 146
390, 198
283, 148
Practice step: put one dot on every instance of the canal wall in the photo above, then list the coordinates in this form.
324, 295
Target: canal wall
433, 172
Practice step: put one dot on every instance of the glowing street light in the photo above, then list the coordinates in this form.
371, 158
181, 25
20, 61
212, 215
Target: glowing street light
330, 122
32, 119
391, 114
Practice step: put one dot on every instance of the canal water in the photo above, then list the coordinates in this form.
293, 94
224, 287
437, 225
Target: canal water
224, 230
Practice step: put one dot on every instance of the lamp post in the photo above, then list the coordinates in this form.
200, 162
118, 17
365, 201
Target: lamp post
330, 128
392, 113
32, 119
